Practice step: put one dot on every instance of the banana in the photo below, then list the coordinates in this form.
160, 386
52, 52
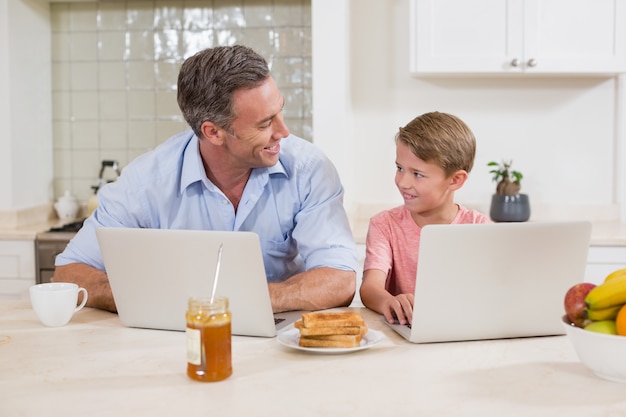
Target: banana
608, 294
615, 274
604, 314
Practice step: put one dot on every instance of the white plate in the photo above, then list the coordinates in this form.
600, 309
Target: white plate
291, 339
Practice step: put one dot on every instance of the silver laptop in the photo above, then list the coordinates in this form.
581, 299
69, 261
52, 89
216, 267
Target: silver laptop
494, 281
153, 272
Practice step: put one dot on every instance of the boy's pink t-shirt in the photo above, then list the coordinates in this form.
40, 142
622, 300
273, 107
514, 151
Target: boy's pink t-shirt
392, 245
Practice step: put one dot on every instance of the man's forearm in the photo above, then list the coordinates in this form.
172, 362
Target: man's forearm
317, 289
93, 280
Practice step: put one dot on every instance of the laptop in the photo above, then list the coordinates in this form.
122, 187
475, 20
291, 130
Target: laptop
154, 272
495, 281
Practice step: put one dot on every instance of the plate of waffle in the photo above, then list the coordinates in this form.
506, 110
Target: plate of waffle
330, 332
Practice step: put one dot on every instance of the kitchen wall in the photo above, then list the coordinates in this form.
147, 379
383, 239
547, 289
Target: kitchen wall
25, 128
564, 133
115, 66
561, 132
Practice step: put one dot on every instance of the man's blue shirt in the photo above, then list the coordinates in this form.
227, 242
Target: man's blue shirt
296, 206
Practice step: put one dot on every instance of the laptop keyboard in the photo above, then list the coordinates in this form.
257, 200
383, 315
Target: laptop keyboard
278, 320
407, 325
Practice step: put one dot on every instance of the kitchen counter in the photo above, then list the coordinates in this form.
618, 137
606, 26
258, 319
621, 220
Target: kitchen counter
94, 366
602, 234
608, 234
28, 232
25, 232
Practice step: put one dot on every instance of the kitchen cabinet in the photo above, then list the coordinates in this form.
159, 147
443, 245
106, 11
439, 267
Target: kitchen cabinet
17, 268
518, 37
602, 260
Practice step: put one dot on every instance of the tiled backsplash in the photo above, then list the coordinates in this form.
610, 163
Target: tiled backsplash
115, 65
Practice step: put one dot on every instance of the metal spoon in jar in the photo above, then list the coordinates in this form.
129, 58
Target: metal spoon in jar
217, 271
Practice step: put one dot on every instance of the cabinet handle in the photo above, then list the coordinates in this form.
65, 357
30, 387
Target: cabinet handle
515, 62
532, 62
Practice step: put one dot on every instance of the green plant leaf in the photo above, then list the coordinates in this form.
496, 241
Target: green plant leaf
504, 174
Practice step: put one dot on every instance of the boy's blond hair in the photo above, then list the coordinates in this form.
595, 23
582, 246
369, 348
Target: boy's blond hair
442, 139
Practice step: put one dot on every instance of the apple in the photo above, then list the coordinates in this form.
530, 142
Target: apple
574, 303
602, 326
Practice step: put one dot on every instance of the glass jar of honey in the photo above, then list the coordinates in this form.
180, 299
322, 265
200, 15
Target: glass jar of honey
208, 339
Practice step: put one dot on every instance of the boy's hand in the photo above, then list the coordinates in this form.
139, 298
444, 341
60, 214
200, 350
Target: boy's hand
399, 308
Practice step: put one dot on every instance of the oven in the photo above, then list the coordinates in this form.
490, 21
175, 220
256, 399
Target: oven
49, 244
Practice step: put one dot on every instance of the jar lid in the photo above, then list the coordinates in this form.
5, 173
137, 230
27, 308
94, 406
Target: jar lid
219, 304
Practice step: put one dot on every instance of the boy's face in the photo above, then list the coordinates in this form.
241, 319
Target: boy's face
424, 186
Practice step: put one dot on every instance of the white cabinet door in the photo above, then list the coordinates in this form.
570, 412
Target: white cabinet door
461, 36
602, 260
17, 268
518, 36
575, 36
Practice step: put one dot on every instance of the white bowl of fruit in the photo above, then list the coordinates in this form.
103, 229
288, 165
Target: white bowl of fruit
595, 322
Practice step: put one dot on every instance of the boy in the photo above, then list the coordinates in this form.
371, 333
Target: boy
434, 155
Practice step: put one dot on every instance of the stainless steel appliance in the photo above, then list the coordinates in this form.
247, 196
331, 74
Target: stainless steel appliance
49, 244
103, 178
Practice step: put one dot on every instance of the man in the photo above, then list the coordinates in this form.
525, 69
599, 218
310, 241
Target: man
238, 169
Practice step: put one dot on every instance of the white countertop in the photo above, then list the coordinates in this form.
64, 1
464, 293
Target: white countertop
28, 232
608, 234
602, 233
96, 367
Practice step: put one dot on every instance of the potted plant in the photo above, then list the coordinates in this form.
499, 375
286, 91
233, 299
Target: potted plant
508, 204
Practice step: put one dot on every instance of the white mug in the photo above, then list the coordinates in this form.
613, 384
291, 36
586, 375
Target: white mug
55, 302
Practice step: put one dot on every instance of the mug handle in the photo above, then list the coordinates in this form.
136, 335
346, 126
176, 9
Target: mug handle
82, 303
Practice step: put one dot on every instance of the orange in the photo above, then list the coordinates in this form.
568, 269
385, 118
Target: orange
620, 321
